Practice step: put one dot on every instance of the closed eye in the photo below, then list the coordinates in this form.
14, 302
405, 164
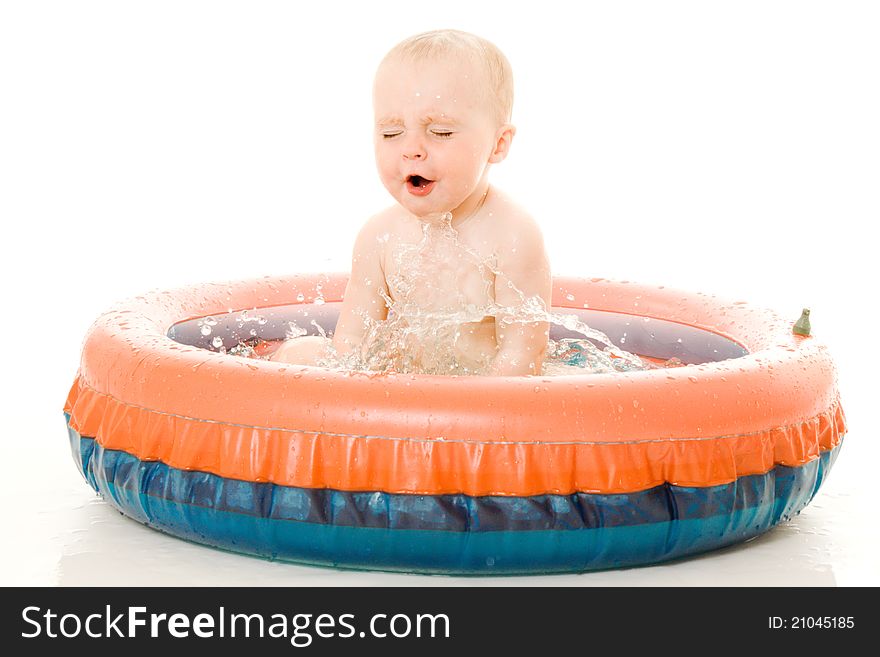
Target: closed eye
443, 134
391, 135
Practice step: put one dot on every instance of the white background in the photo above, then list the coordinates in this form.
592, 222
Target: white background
729, 148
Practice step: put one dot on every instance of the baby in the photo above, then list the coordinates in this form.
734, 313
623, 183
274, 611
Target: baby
442, 103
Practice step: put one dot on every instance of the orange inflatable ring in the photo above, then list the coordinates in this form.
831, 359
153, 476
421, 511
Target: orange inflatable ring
453, 474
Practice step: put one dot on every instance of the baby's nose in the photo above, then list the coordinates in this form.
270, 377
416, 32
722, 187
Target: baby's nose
414, 149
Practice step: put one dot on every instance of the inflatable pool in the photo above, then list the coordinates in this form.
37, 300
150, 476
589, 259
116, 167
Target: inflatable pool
456, 475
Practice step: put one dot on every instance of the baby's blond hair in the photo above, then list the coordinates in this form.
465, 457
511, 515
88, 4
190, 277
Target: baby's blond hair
443, 43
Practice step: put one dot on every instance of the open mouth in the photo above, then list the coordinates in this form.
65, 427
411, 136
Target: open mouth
418, 185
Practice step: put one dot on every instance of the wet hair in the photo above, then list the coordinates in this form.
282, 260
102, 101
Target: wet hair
444, 43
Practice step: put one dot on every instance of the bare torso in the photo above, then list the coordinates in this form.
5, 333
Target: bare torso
445, 272
446, 285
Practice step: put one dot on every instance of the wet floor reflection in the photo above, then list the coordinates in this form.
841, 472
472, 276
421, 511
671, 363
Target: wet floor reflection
103, 547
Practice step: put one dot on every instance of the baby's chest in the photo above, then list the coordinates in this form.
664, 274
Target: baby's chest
440, 275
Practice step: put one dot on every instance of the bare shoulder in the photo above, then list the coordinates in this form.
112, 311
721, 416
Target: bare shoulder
515, 228
379, 223
375, 231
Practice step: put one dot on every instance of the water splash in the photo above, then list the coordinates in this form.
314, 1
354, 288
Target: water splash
432, 326
294, 331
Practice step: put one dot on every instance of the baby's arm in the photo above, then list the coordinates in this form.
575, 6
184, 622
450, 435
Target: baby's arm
361, 298
523, 263
362, 294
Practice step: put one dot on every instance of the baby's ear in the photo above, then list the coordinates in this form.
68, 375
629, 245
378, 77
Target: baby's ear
503, 139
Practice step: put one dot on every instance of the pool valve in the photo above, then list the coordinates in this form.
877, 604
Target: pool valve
802, 326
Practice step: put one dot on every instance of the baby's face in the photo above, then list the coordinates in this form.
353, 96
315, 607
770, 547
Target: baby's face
435, 133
